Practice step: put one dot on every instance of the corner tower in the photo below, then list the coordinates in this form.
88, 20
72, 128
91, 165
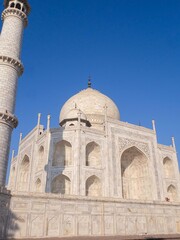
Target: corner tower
14, 19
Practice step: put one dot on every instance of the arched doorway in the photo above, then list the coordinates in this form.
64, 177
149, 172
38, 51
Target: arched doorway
135, 175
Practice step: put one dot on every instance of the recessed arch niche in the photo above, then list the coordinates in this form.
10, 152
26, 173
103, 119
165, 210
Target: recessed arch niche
61, 184
93, 186
135, 175
24, 174
40, 157
168, 167
93, 154
62, 154
38, 185
172, 193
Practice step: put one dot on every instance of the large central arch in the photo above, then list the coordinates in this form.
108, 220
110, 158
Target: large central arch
135, 175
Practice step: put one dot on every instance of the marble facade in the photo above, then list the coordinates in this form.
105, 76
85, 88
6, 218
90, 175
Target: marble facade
93, 175
111, 178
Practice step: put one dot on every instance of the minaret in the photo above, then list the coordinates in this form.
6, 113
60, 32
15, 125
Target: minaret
14, 19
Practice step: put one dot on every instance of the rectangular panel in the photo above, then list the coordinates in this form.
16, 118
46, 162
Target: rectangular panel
52, 227
68, 225
160, 224
83, 225
96, 225
37, 224
20, 205
170, 223
68, 207
141, 226
130, 225
151, 222
38, 206
108, 225
120, 225
82, 208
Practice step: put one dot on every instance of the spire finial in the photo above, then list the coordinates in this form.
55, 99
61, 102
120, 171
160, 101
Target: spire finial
154, 125
89, 81
173, 143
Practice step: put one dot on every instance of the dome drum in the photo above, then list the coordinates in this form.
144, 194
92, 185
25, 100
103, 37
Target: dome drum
71, 120
75, 115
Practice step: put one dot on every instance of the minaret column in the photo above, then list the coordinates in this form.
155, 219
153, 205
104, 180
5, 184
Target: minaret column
14, 19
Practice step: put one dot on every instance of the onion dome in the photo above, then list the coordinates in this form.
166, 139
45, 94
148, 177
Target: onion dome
92, 104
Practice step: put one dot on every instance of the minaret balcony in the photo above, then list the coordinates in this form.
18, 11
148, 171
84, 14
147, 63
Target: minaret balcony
8, 119
13, 63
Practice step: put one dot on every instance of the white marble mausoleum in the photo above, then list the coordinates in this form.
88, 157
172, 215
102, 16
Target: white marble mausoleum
93, 175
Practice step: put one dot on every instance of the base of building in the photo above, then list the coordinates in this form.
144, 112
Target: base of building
5, 197
49, 216
145, 237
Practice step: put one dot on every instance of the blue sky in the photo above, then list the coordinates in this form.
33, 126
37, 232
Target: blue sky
130, 47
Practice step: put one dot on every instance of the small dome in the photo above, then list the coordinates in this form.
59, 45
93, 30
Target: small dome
92, 103
73, 113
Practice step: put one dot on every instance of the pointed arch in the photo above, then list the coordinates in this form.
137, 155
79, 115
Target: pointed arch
18, 6
93, 154
62, 154
38, 185
61, 184
40, 158
12, 177
172, 192
168, 167
24, 173
12, 5
93, 186
135, 174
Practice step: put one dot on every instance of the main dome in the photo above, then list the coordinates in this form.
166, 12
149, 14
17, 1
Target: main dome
92, 103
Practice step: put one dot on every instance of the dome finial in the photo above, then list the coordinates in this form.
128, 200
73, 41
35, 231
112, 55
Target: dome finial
89, 81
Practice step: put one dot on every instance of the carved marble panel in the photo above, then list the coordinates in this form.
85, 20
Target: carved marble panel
68, 208
83, 225
68, 225
37, 222
21, 225
82, 208
170, 224
160, 224
96, 225
120, 225
130, 225
20, 205
38, 206
108, 225
53, 226
125, 143
141, 225
151, 222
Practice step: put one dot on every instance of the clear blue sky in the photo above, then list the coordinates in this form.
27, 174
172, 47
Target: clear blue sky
130, 47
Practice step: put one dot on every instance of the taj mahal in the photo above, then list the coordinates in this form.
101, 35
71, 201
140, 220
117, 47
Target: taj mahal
94, 175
